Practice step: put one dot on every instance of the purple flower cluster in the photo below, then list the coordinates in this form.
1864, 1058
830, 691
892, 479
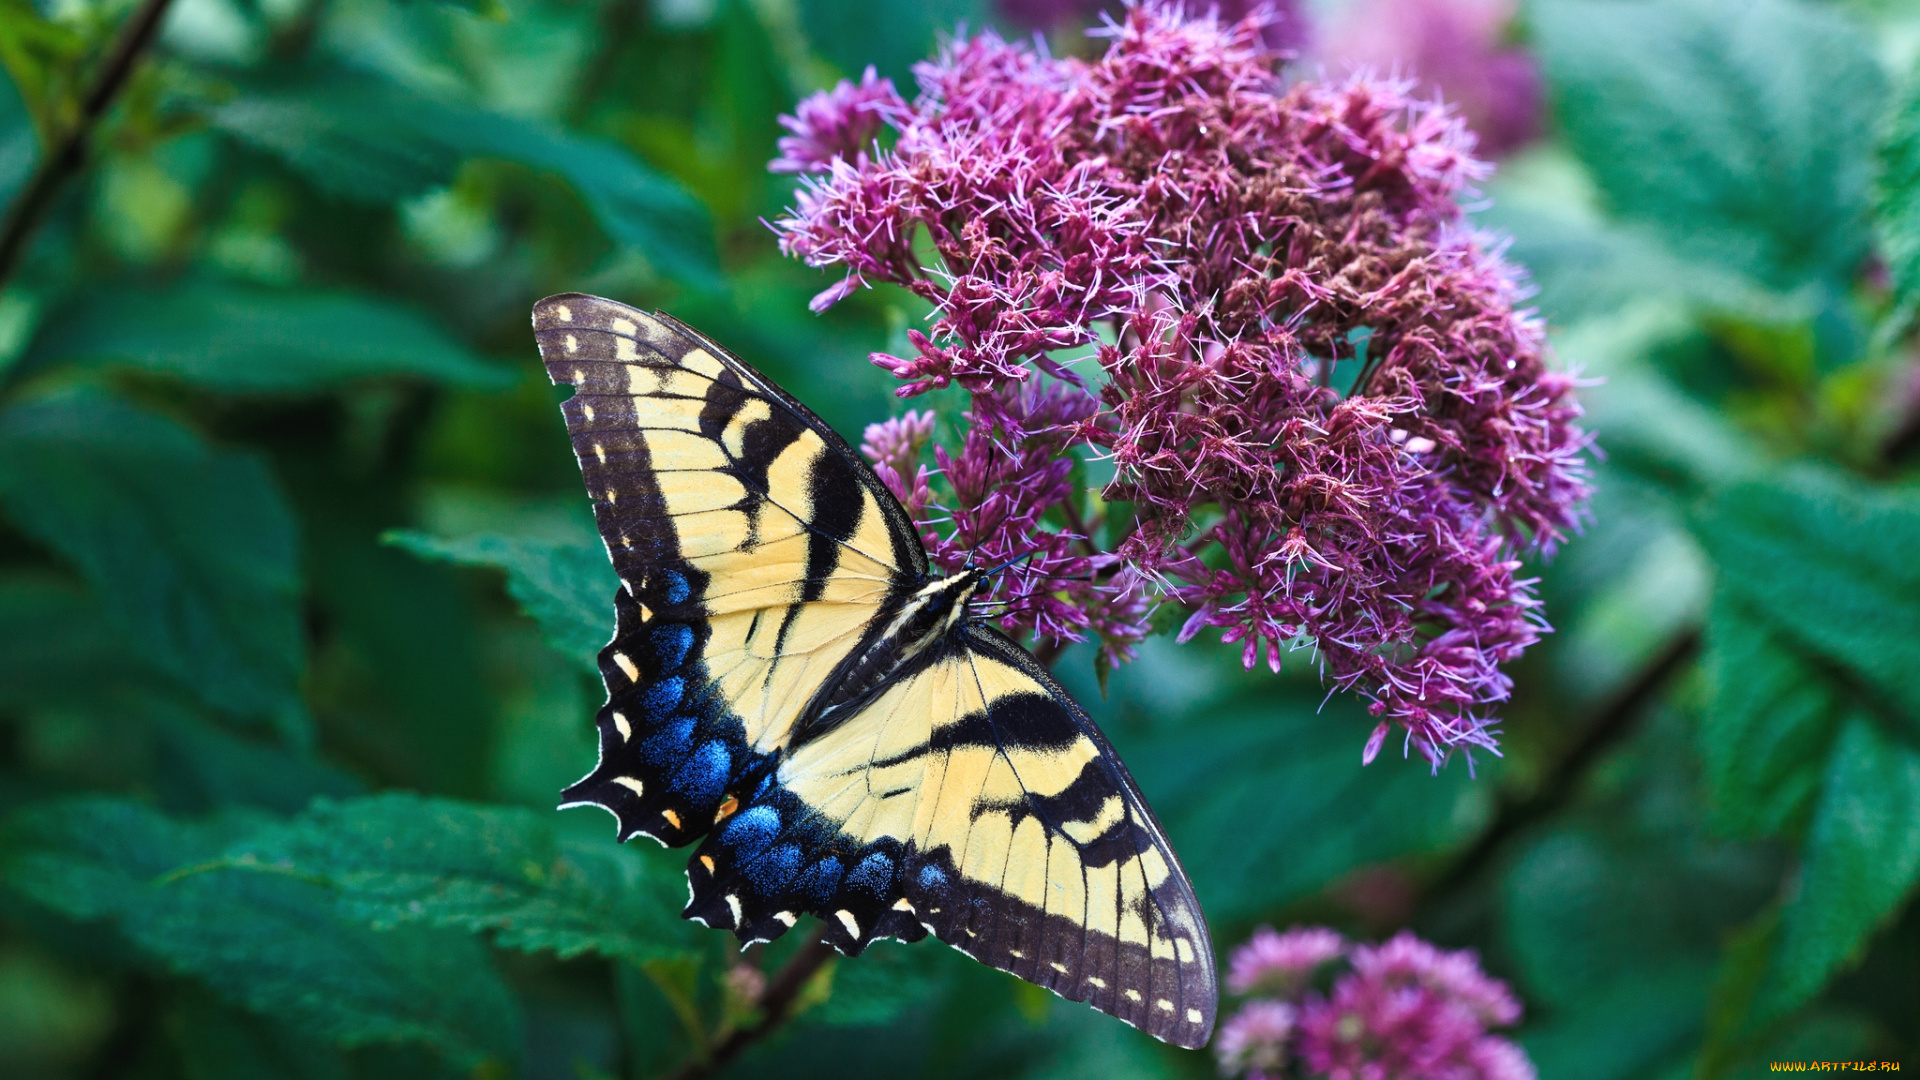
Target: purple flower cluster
1399, 1011
837, 123
1331, 427
1284, 27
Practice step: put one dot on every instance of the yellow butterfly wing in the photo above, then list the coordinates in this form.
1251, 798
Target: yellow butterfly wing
754, 548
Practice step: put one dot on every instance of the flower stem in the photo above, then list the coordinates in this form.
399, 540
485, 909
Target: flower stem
775, 1006
1614, 723
67, 158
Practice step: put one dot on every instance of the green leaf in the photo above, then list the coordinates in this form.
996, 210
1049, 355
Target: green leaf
1829, 563
1862, 860
1817, 631
1269, 803
220, 1043
1743, 129
1622, 1030
19, 148
374, 141
886, 980
1897, 193
270, 942
55, 642
566, 587
1767, 727
250, 340
189, 548
399, 859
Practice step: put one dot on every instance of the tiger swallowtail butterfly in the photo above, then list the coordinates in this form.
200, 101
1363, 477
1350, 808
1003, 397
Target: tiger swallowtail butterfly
792, 686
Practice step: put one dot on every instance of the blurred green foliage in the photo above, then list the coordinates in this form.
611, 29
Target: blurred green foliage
299, 595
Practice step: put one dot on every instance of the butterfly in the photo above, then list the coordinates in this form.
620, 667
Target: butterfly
790, 684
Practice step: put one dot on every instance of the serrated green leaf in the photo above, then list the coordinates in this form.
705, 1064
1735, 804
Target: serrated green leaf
566, 587
189, 548
1897, 192
249, 340
375, 141
1862, 860
270, 942
1829, 563
399, 859
1817, 630
1742, 129
1767, 727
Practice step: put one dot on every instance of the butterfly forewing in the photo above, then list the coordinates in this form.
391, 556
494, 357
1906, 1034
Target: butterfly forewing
968, 796
752, 557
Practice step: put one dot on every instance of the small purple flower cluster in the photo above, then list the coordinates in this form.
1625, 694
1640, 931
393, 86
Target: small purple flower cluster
1329, 423
1399, 1011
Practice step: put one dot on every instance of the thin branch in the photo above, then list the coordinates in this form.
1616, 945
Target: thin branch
775, 1006
1614, 723
67, 159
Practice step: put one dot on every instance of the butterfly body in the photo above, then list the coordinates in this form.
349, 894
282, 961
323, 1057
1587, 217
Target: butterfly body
791, 685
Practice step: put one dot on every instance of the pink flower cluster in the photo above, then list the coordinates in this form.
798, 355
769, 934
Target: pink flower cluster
1330, 426
1399, 1011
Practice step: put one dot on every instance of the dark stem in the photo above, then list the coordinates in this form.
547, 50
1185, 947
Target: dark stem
67, 159
1614, 723
775, 1007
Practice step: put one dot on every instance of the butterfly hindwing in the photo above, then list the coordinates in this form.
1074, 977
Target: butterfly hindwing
973, 799
755, 553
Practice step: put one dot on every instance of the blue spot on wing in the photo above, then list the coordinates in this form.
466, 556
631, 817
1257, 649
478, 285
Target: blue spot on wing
671, 643
677, 588
873, 874
751, 830
704, 775
821, 880
931, 877
670, 741
661, 697
772, 872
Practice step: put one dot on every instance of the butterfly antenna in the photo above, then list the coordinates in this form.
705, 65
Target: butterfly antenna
1009, 562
